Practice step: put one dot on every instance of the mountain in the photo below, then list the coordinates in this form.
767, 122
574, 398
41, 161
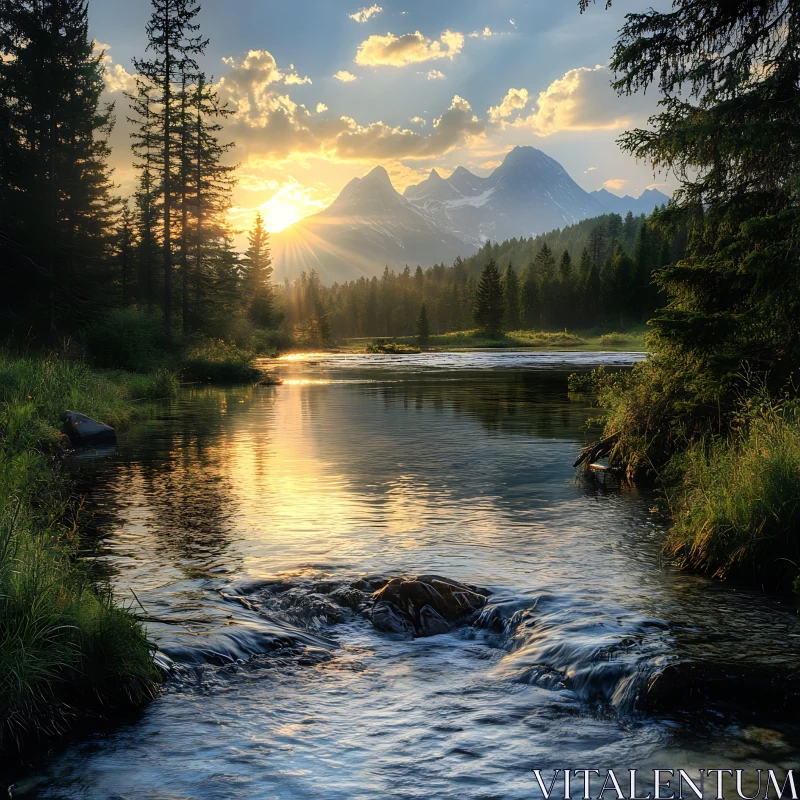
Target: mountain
370, 225
528, 193
644, 204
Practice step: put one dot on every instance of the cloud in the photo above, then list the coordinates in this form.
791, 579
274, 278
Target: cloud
378, 141
419, 121
344, 76
485, 33
515, 100
494, 164
436, 75
321, 107
587, 171
363, 14
295, 79
411, 48
268, 124
115, 76
615, 183
583, 100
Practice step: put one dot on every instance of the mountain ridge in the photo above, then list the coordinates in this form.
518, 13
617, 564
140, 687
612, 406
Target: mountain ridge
371, 225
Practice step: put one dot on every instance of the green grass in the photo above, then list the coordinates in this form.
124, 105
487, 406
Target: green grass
472, 339
736, 502
65, 647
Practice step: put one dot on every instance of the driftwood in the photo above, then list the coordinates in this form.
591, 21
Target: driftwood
597, 450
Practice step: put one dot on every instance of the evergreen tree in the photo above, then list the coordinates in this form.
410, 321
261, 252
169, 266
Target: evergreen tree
511, 296
170, 34
565, 267
423, 329
126, 247
490, 306
145, 148
257, 274
55, 202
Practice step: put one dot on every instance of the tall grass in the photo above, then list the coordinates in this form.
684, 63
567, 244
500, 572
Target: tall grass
64, 645
736, 506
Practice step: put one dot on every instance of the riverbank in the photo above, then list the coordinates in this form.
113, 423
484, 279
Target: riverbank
729, 469
633, 340
67, 650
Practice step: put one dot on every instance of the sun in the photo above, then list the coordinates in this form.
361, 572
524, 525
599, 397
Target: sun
280, 215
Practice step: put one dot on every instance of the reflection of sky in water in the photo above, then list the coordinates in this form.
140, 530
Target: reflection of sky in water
386, 470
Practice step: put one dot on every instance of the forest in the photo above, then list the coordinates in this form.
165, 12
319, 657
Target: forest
597, 273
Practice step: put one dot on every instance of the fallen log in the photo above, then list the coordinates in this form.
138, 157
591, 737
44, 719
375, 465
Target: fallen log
597, 450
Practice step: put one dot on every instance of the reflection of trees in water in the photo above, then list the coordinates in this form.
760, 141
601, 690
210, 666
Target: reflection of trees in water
175, 471
531, 403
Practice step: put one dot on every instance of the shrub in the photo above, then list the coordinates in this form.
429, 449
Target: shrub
217, 361
129, 339
271, 342
736, 505
391, 348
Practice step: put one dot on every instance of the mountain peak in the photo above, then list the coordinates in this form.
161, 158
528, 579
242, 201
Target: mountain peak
379, 173
435, 176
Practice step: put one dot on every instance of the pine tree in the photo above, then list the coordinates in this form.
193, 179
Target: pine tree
423, 330
55, 201
170, 34
126, 248
565, 267
145, 148
511, 295
257, 275
490, 306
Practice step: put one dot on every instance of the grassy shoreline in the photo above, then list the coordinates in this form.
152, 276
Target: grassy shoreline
66, 649
524, 339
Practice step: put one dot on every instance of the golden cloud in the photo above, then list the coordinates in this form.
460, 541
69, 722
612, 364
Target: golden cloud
615, 183
582, 100
363, 14
515, 100
344, 76
411, 48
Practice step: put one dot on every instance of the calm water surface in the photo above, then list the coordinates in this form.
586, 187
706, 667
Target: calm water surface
457, 464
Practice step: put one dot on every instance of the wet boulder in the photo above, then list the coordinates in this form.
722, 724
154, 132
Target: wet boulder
431, 603
84, 431
388, 618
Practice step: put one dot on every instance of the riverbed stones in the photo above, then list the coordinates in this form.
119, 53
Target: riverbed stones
84, 431
431, 605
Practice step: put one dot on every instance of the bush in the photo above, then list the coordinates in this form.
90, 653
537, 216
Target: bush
736, 503
271, 342
129, 339
216, 361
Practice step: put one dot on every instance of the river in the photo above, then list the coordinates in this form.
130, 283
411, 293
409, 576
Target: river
455, 464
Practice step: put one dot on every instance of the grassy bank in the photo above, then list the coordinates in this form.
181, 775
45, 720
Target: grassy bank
736, 501
731, 474
65, 647
472, 339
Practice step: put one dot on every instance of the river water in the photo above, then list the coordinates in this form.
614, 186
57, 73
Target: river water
454, 464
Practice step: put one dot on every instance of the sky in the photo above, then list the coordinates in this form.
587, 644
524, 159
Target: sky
324, 90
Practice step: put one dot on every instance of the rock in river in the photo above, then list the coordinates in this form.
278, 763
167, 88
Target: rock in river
425, 605
84, 431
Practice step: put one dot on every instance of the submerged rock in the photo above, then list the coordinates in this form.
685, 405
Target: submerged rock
759, 690
84, 431
429, 604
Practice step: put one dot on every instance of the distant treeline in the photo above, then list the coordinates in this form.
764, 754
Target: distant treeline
596, 272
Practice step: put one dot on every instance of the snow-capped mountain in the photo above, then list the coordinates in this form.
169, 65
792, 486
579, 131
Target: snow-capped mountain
528, 193
370, 225
644, 204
